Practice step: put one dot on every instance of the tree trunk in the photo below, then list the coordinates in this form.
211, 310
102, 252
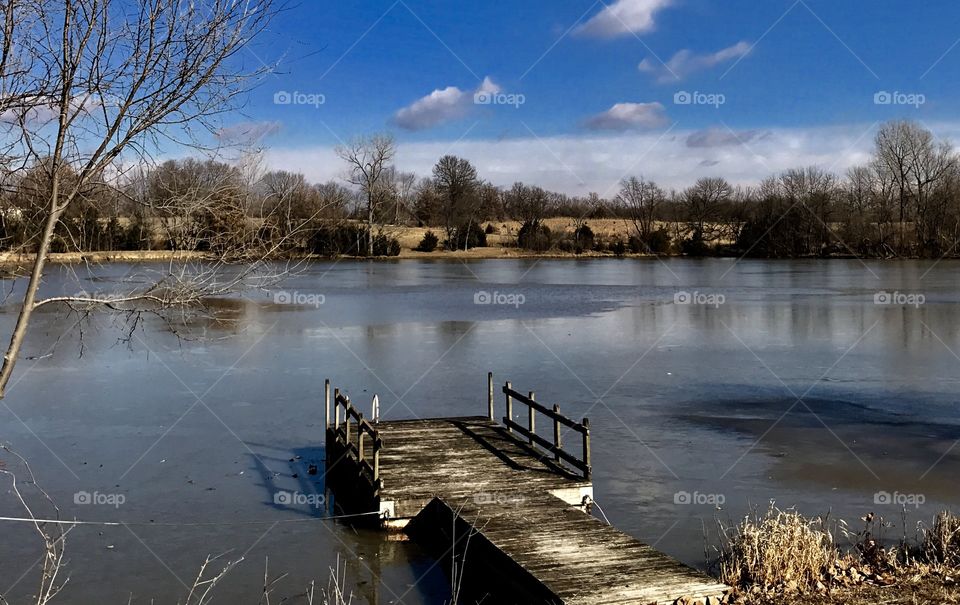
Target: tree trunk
369, 226
30, 296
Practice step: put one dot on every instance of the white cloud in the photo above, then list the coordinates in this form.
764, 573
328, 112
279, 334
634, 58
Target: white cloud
40, 110
687, 62
441, 106
627, 116
597, 162
623, 17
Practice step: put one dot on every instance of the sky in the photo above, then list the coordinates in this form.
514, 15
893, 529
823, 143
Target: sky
574, 95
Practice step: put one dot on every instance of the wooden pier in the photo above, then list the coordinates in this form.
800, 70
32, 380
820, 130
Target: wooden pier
507, 500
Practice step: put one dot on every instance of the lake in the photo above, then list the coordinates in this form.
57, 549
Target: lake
713, 388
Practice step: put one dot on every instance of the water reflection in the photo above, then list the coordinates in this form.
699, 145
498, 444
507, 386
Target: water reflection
692, 398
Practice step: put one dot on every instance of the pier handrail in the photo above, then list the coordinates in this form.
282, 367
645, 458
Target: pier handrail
345, 436
529, 432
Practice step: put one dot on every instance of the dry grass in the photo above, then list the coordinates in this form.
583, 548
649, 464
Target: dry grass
778, 548
941, 543
769, 556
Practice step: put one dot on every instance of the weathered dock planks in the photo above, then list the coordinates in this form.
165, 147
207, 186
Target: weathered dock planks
507, 507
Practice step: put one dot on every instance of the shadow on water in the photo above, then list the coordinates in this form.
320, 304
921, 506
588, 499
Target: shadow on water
379, 568
300, 487
840, 441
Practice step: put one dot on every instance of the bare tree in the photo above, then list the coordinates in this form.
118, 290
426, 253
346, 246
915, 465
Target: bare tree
368, 160
334, 199
529, 205
702, 205
288, 204
930, 164
95, 81
640, 200
401, 186
456, 182
891, 148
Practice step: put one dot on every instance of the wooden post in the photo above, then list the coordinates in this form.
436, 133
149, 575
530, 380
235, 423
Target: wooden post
490, 395
346, 423
377, 445
509, 407
336, 408
586, 448
557, 443
532, 416
360, 440
326, 403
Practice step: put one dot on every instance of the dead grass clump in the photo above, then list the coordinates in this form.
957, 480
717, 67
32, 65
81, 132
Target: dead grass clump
780, 549
941, 543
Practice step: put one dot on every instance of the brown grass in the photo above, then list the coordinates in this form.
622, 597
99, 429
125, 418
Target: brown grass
941, 543
781, 556
779, 548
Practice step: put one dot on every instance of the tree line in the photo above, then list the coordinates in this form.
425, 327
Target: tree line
904, 202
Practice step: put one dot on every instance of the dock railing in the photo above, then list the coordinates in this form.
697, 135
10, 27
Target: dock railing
555, 447
352, 435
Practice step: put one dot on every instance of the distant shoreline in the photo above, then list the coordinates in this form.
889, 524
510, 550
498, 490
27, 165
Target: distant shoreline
15, 261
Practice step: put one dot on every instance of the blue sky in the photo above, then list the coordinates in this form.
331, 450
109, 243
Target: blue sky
582, 92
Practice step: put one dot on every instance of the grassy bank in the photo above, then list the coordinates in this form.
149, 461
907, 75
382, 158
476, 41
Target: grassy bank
782, 557
502, 244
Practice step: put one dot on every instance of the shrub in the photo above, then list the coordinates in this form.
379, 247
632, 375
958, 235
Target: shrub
941, 543
350, 240
577, 242
656, 242
337, 240
618, 248
660, 241
429, 242
534, 236
583, 238
695, 245
465, 237
385, 246
778, 548
490, 230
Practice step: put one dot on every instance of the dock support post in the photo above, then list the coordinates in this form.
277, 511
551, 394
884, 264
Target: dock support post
490, 396
586, 449
509, 406
326, 403
377, 446
336, 408
346, 424
532, 416
557, 443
